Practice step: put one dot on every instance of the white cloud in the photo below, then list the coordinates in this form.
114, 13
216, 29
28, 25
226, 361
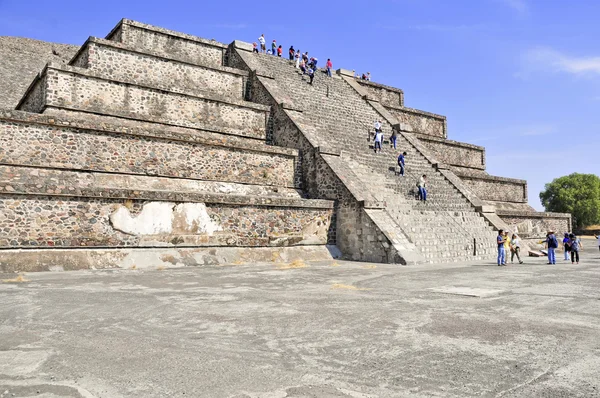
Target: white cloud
550, 60
520, 6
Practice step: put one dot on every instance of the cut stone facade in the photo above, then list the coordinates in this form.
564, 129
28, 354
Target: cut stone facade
66, 147
61, 87
157, 139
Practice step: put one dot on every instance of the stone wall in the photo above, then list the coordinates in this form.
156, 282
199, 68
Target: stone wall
454, 153
31, 180
386, 95
21, 60
80, 90
534, 225
123, 63
416, 121
67, 147
496, 188
35, 98
50, 221
169, 44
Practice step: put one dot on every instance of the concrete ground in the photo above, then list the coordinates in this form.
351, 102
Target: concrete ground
325, 330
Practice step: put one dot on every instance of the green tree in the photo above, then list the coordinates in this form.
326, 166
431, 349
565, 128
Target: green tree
578, 194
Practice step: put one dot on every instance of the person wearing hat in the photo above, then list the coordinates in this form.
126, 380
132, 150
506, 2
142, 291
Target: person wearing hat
552, 244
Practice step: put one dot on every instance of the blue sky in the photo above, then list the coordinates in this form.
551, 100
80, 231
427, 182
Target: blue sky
520, 77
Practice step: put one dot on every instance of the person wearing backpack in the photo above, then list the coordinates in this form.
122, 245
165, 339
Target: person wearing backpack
576, 245
552, 245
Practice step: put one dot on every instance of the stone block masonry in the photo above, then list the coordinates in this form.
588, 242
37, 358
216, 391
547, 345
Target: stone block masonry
416, 121
120, 62
147, 140
51, 221
31, 142
454, 153
535, 225
76, 89
170, 44
386, 95
499, 189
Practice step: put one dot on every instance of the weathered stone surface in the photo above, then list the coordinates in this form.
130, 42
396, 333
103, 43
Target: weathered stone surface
168, 43
67, 147
21, 60
386, 95
148, 140
117, 61
39, 260
453, 152
495, 188
46, 221
70, 88
535, 225
416, 121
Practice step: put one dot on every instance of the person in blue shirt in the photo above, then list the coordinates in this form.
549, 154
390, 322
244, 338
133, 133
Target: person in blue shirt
501, 252
552, 245
401, 163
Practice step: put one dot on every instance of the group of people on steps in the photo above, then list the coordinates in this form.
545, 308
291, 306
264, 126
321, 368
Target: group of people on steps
401, 168
308, 66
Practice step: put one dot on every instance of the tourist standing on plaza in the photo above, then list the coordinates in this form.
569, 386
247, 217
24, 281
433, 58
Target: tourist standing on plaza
263, 43
566, 246
378, 140
329, 65
598, 237
274, 47
423, 188
393, 139
576, 245
552, 245
515, 248
291, 53
401, 163
297, 56
501, 253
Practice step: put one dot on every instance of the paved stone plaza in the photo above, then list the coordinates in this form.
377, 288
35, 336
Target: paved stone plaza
325, 330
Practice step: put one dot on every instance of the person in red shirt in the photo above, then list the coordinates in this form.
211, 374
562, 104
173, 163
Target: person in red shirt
279, 51
329, 66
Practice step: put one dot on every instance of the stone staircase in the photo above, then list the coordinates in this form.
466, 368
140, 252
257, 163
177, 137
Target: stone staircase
143, 151
338, 120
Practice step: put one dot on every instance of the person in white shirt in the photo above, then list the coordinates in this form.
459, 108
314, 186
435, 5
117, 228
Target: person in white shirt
378, 140
598, 237
263, 43
515, 248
